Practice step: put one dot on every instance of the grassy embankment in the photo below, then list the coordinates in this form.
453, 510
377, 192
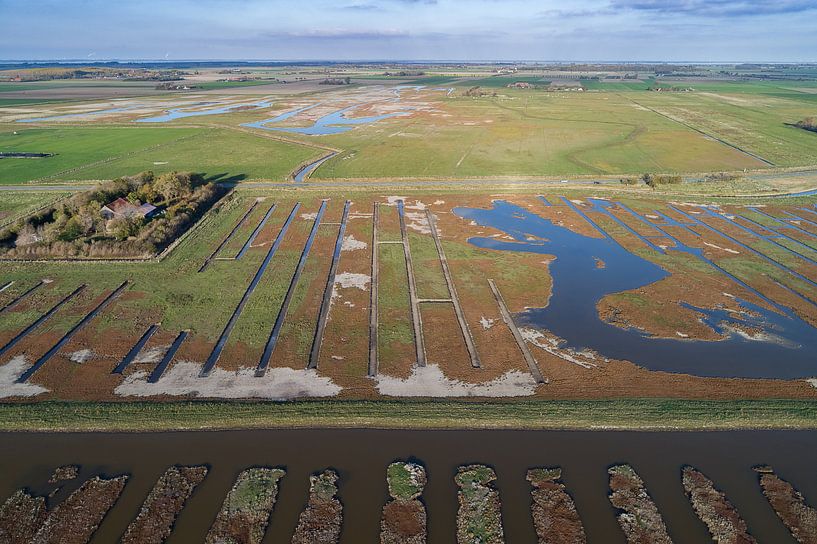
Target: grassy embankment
633, 414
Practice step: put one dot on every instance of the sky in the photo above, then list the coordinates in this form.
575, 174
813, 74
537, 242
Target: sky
467, 30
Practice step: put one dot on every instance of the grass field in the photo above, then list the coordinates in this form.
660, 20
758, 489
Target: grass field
106, 152
75, 148
18, 204
618, 129
214, 151
634, 414
531, 134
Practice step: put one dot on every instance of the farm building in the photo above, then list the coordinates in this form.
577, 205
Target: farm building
123, 208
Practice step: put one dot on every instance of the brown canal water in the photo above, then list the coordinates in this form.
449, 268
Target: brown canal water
361, 457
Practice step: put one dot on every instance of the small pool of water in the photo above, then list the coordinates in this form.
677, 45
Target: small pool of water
333, 123
578, 285
181, 113
73, 115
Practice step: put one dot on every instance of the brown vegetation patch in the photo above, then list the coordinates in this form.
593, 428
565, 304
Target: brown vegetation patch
554, 514
724, 523
76, 519
321, 520
790, 506
637, 514
165, 501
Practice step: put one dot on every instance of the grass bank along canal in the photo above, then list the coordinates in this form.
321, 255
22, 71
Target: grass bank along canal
361, 458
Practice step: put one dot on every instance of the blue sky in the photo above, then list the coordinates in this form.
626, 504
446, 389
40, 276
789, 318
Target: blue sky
675, 30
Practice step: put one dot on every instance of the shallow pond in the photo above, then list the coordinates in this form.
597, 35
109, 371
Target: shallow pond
332, 123
578, 285
181, 113
361, 457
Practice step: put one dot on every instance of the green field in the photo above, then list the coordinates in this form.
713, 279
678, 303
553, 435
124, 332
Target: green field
634, 414
496, 82
75, 148
211, 85
107, 152
216, 152
622, 85
17, 204
529, 133
619, 128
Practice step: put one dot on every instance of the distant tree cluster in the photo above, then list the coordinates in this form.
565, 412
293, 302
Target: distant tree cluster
722, 176
78, 228
405, 73
670, 89
651, 180
478, 92
336, 81
809, 123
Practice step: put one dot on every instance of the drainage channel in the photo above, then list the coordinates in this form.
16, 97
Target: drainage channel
228, 238
252, 237
279, 321
11, 343
76, 328
698, 254
586, 218
746, 247
416, 318
770, 239
315, 353
598, 205
520, 341
128, 359
303, 173
212, 360
452, 291
373, 319
165, 362
20, 298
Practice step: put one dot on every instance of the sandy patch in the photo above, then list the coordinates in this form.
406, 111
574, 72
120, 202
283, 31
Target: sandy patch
309, 216
392, 201
346, 280
418, 222
431, 382
152, 355
486, 323
277, 384
9, 373
352, 244
722, 248
550, 344
81, 356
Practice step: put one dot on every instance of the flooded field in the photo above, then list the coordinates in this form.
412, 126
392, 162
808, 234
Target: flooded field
361, 457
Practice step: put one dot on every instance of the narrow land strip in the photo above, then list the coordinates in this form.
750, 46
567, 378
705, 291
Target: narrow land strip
416, 319
373, 295
520, 341
452, 290
627, 414
263, 364
326, 303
